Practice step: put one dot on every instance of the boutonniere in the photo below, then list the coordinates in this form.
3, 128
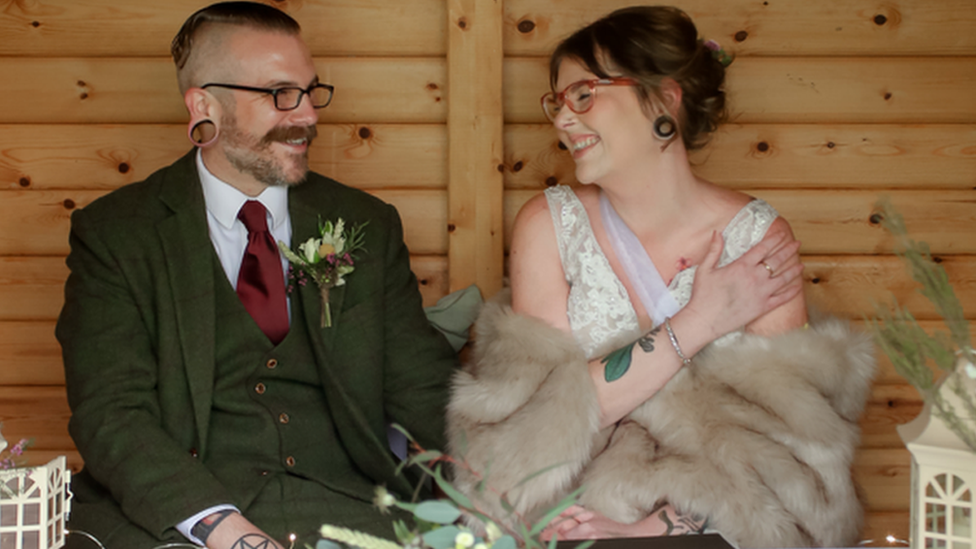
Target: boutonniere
325, 259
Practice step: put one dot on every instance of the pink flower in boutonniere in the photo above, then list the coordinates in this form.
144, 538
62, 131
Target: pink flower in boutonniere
326, 259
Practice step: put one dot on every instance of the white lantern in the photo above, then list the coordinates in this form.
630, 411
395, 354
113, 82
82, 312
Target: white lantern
34, 505
943, 473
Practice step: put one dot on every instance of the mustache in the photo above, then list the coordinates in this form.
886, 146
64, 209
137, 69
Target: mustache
288, 133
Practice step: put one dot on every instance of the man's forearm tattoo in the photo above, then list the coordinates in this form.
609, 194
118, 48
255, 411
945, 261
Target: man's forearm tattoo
617, 363
254, 541
205, 526
683, 525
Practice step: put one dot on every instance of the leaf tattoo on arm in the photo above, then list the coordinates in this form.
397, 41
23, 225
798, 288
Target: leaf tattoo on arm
616, 363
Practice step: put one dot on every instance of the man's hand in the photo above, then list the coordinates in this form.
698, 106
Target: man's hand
236, 532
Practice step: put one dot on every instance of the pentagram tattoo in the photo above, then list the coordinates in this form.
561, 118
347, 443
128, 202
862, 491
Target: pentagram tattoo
646, 342
254, 541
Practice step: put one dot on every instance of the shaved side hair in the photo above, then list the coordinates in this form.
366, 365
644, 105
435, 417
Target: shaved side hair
200, 37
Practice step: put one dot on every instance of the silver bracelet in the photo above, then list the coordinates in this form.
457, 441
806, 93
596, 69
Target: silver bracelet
674, 342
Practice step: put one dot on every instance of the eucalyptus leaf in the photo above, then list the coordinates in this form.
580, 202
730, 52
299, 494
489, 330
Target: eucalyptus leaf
442, 538
451, 491
327, 544
563, 504
504, 542
438, 511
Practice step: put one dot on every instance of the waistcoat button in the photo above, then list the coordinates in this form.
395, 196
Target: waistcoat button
290, 461
271, 364
283, 418
259, 388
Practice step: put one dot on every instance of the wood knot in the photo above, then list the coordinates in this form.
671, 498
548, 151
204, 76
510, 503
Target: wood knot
762, 146
124, 167
741, 36
462, 23
364, 133
423, 281
887, 96
937, 259
517, 167
815, 280
500, 168
81, 84
830, 145
24, 182
35, 24
551, 181
432, 86
526, 26
451, 227
880, 19
68, 204
875, 219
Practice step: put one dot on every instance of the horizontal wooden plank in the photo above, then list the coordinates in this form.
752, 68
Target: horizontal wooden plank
40, 413
32, 289
879, 525
79, 156
745, 27
885, 477
934, 156
839, 222
144, 90
37, 222
108, 28
851, 286
838, 90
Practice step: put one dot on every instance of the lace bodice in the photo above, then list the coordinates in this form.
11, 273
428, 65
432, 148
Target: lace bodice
599, 309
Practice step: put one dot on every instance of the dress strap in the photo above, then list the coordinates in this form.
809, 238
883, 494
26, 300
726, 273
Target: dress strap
643, 275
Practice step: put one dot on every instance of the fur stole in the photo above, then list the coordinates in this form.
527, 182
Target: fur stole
758, 434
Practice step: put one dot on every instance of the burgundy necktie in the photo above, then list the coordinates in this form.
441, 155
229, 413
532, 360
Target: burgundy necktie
261, 282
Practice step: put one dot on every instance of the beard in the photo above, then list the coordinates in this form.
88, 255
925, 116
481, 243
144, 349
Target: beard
255, 157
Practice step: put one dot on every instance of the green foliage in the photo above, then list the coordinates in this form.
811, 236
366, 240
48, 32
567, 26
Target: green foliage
911, 349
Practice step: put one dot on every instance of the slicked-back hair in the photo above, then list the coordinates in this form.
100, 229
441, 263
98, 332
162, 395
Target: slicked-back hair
649, 44
243, 14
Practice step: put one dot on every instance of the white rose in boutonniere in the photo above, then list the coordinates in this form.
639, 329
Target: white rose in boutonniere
326, 259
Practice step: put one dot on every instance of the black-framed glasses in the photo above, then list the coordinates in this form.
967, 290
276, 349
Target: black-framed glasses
287, 99
578, 96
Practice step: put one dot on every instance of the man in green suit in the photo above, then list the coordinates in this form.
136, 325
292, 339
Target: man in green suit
207, 404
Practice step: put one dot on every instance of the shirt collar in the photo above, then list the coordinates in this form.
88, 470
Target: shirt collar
224, 201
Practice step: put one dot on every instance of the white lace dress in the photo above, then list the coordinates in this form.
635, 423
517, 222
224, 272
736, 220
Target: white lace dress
600, 312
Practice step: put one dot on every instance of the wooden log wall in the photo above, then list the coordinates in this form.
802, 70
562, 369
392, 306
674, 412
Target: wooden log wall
436, 110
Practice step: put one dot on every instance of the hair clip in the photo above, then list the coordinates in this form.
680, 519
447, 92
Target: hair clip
719, 53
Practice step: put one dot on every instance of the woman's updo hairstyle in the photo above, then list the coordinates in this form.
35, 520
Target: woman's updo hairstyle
648, 44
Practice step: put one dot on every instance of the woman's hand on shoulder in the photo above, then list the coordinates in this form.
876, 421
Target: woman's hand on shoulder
539, 286
783, 261
763, 279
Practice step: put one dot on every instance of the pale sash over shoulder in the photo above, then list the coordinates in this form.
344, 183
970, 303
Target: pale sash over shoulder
599, 309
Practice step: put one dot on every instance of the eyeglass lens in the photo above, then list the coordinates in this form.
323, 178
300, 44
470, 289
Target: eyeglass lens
289, 98
578, 95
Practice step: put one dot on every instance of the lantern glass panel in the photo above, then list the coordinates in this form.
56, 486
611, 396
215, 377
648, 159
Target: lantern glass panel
935, 518
933, 543
966, 496
8, 515
960, 545
962, 521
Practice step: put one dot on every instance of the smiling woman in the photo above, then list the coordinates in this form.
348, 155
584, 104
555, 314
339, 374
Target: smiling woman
658, 277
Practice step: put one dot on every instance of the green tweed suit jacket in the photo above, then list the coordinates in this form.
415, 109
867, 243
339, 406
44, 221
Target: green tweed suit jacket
137, 333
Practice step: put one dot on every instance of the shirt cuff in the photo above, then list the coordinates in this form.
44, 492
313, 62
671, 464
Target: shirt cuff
188, 524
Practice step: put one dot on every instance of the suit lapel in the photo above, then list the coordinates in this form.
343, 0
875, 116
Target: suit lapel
188, 252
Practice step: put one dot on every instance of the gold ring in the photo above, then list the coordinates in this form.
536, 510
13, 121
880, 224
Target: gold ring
768, 268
